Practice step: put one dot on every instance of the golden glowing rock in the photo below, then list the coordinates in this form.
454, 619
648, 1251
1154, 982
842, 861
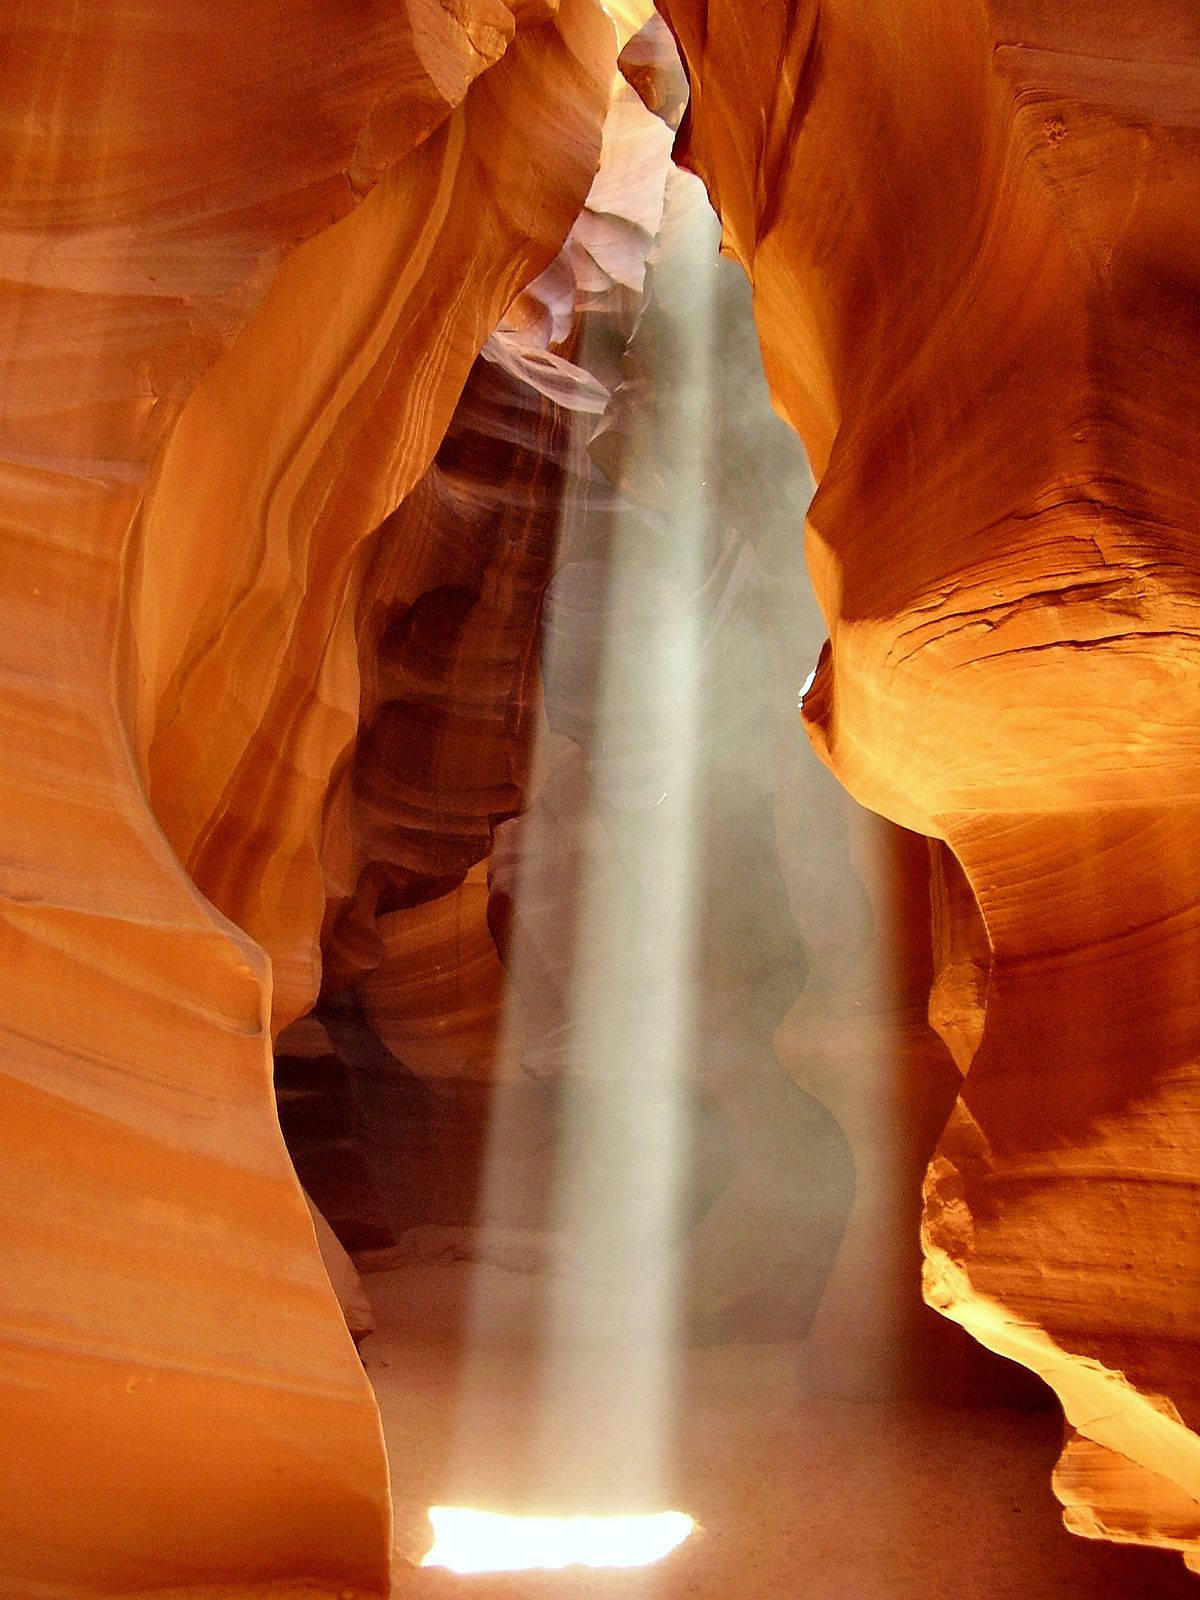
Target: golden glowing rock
291, 405
971, 234
250, 253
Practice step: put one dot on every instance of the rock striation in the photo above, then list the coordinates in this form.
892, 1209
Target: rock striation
250, 254
329, 371
970, 236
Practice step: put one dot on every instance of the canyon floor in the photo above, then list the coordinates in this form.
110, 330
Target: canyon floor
793, 1496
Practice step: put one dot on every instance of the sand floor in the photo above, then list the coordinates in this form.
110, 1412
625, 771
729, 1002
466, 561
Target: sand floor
794, 1496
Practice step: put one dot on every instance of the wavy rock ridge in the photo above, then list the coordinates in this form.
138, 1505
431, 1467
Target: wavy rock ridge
250, 258
971, 236
277, 541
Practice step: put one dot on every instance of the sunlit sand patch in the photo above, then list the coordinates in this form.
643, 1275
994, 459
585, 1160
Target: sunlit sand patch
487, 1541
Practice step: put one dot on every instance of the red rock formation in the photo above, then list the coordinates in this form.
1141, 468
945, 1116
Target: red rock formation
421, 1070
971, 237
250, 254
274, 578
315, 454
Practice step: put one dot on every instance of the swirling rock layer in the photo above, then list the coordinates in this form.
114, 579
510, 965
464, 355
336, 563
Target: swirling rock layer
970, 232
250, 254
295, 399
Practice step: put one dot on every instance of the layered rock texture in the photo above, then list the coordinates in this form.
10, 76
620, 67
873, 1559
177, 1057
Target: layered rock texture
250, 254
356, 408
970, 232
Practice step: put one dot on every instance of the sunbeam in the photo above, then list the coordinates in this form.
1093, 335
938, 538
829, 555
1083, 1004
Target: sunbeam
616, 1069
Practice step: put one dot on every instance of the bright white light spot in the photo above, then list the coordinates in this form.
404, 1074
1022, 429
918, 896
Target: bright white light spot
486, 1541
805, 687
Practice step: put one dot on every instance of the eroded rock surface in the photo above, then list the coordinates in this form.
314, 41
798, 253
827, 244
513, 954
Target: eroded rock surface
971, 236
250, 254
303, 436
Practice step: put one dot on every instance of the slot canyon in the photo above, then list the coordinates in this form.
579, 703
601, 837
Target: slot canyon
600, 860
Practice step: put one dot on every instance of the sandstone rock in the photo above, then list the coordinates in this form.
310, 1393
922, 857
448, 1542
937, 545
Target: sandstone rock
318, 455
249, 256
650, 63
343, 1276
971, 240
318, 321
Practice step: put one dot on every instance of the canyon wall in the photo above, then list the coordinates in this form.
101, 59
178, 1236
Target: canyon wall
250, 254
970, 232
303, 436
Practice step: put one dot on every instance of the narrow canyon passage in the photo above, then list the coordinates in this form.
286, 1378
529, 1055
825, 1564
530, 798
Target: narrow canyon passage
626, 1132
462, 1048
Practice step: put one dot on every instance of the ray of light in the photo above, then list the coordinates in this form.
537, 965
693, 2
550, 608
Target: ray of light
602, 1336
627, 1080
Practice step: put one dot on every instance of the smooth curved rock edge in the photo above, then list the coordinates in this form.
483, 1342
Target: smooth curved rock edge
250, 255
970, 232
241, 302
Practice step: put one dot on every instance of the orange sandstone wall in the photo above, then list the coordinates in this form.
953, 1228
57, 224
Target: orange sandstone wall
250, 252
971, 234
263, 517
